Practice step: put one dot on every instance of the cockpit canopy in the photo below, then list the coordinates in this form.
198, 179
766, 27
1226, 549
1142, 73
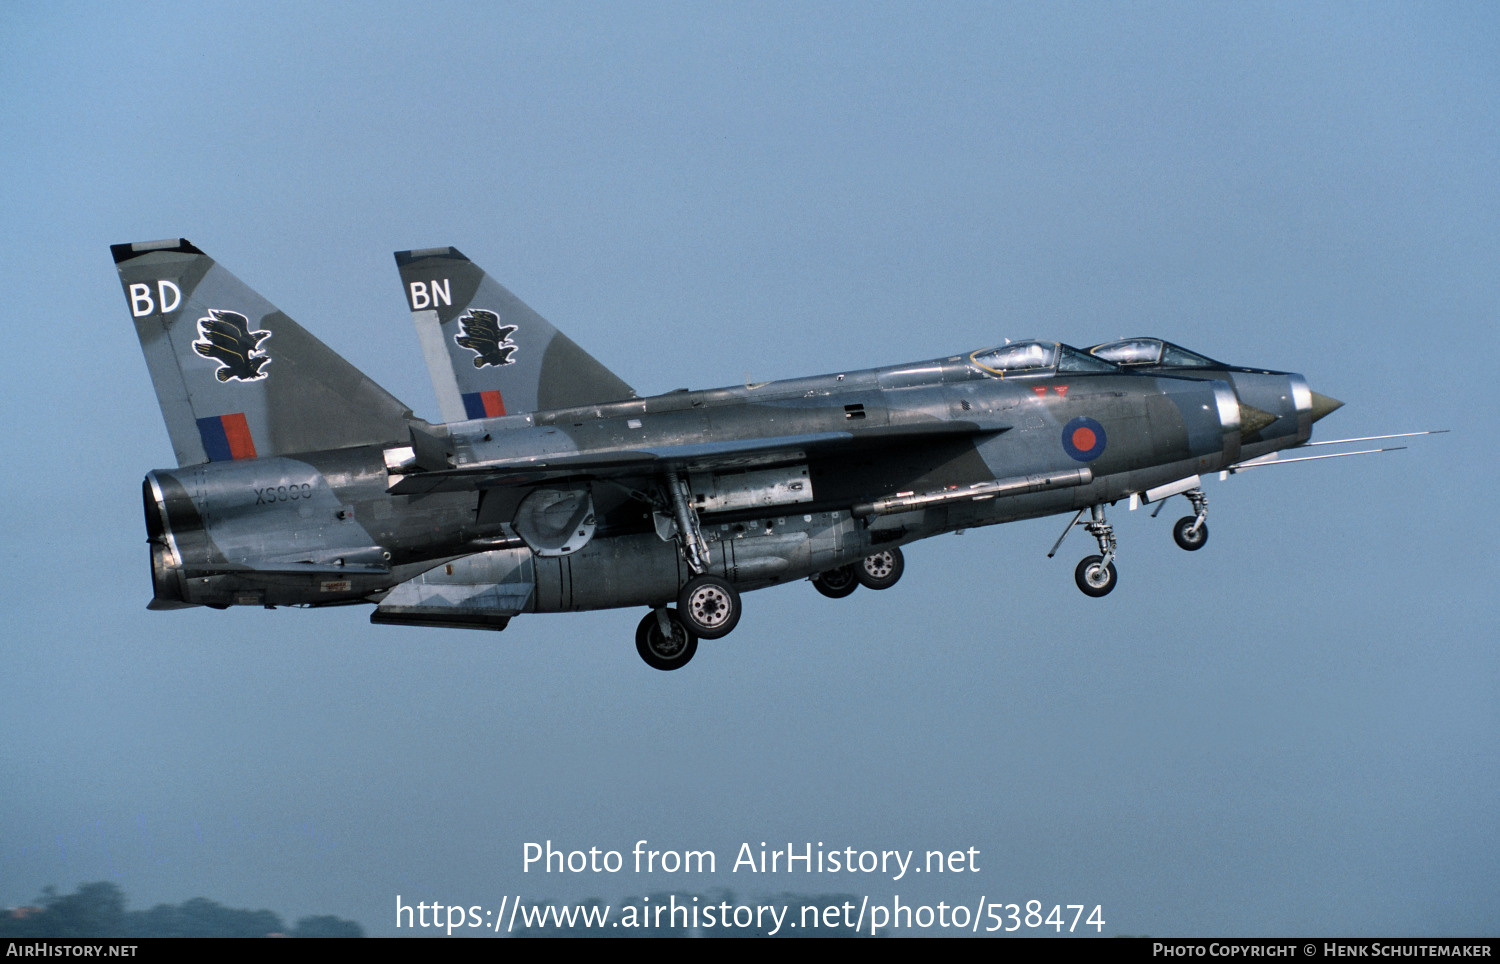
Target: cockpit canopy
1036, 358
1142, 352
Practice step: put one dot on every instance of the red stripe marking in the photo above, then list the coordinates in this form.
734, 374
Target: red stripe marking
494, 405
237, 431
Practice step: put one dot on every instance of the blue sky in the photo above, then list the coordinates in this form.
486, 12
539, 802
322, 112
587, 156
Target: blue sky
1293, 731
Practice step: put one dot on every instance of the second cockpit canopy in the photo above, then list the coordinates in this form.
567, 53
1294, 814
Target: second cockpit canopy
1141, 352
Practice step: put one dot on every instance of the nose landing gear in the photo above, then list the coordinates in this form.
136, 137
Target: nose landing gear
1191, 531
1094, 576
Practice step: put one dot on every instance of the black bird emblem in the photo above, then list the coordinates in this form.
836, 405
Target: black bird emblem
480, 331
227, 339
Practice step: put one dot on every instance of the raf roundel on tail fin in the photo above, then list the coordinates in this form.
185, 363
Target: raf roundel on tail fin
487, 352
212, 343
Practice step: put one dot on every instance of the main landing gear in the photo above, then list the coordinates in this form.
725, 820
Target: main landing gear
882, 570
663, 641
708, 607
836, 583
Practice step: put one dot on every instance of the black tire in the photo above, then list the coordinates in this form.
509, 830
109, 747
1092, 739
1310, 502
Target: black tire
658, 651
880, 570
1093, 579
1191, 541
709, 607
836, 583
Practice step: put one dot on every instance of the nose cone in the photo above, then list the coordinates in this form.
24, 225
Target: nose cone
1324, 405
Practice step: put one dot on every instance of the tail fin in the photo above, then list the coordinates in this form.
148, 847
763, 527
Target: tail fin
487, 352
236, 378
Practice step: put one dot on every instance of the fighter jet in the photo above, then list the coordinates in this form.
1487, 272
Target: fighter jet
553, 487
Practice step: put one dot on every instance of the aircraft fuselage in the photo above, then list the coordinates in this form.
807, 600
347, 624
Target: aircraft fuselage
326, 527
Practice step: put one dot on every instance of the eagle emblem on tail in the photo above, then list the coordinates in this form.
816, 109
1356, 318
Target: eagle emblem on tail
225, 337
480, 331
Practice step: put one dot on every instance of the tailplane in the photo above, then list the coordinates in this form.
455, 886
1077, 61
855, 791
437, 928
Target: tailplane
236, 377
487, 352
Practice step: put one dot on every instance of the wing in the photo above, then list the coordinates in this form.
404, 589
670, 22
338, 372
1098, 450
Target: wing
655, 459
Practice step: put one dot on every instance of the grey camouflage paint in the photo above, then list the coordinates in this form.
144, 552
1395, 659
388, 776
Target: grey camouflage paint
789, 478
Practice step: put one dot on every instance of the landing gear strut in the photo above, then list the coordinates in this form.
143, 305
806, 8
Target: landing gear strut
663, 641
707, 607
689, 535
1096, 575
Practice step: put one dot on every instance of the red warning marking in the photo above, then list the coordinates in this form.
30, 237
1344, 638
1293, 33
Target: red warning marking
1061, 390
1041, 390
1083, 438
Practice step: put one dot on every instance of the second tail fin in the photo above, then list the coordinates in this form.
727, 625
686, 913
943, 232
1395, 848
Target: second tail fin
488, 353
237, 378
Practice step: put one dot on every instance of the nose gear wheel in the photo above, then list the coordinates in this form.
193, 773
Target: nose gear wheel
1095, 577
1191, 531
1190, 534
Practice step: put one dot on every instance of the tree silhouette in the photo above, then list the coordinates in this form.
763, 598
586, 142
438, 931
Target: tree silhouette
98, 910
